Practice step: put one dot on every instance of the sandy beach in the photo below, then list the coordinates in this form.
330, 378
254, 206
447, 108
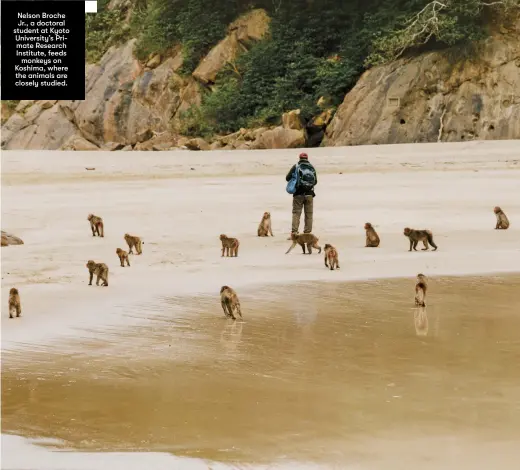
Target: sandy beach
179, 202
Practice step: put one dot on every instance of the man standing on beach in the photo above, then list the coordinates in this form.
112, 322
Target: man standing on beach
304, 194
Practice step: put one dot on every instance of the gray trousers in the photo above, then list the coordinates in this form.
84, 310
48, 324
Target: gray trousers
299, 203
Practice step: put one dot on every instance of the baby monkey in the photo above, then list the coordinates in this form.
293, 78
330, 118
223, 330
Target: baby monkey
372, 240
229, 301
331, 255
304, 239
264, 229
15, 306
502, 220
420, 290
416, 236
229, 245
123, 256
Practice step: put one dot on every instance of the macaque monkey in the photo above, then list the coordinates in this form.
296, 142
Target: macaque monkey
331, 255
123, 256
264, 229
502, 220
229, 245
303, 239
372, 240
15, 305
100, 270
417, 236
133, 241
420, 290
96, 225
229, 301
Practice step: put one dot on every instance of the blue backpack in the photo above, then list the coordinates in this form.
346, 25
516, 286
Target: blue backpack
292, 185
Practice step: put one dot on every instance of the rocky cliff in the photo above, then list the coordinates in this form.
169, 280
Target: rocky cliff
436, 97
138, 105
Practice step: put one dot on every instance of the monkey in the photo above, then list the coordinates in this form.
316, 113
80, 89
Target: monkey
502, 220
96, 225
331, 255
264, 229
132, 242
100, 270
15, 305
229, 245
420, 290
372, 240
303, 239
123, 256
229, 301
416, 236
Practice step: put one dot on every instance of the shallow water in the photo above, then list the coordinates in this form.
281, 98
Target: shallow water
330, 373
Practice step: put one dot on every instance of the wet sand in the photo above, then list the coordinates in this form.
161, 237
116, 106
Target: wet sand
328, 373
360, 378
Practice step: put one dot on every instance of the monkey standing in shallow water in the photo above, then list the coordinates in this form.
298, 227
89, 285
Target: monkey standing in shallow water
502, 220
229, 301
416, 236
15, 305
100, 270
303, 239
96, 225
420, 290
133, 241
123, 256
229, 245
331, 255
372, 240
264, 229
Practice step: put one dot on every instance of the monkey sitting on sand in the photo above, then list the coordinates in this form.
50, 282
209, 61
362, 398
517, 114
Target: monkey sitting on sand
15, 306
229, 301
264, 229
502, 220
372, 239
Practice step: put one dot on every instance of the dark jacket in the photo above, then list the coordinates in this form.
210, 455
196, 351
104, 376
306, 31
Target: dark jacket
301, 191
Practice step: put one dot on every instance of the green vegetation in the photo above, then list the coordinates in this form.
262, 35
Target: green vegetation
315, 48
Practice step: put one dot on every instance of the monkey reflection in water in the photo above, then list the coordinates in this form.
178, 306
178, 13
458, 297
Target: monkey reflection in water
231, 336
420, 317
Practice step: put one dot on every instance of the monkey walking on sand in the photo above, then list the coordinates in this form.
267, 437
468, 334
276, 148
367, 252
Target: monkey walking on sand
502, 220
372, 239
331, 255
15, 306
264, 229
123, 257
229, 301
100, 270
416, 236
134, 242
229, 245
420, 290
96, 225
304, 239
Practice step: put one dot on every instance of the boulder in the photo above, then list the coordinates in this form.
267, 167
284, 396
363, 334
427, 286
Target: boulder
323, 119
280, 138
8, 239
154, 61
197, 144
22, 105
251, 26
292, 120
77, 142
127, 148
112, 146
46, 104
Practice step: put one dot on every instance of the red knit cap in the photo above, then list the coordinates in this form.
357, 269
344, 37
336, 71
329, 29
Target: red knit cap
304, 155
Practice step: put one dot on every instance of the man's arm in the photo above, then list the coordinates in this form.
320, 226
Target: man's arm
290, 174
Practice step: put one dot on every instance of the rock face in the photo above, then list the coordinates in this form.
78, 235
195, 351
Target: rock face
8, 239
435, 98
280, 138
